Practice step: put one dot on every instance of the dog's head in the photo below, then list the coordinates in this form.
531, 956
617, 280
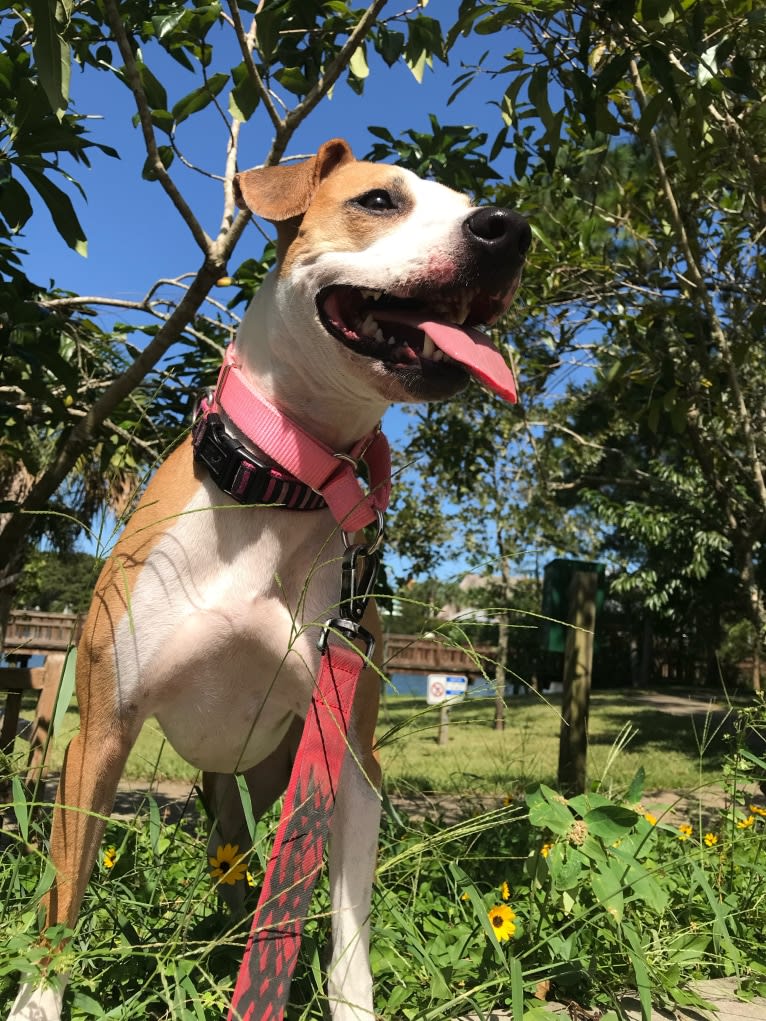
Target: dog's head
396, 272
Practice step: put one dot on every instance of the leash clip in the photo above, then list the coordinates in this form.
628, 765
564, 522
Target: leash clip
347, 629
355, 587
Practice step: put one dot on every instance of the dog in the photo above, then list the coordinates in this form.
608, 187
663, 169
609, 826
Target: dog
206, 615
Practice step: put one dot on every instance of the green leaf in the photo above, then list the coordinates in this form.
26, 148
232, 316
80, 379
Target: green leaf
294, 80
390, 45
247, 805
607, 887
20, 807
610, 822
166, 155
548, 811
51, 54
199, 98
640, 971
358, 63
153, 88
14, 204
636, 788
60, 207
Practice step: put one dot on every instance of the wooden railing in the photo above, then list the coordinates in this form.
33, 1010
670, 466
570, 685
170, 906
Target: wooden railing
413, 654
35, 633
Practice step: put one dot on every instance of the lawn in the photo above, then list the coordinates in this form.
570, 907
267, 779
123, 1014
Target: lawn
594, 894
678, 752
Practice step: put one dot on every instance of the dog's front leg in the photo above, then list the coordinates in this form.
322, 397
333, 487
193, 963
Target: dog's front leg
92, 768
353, 851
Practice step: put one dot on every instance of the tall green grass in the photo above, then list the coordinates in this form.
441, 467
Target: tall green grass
604, 897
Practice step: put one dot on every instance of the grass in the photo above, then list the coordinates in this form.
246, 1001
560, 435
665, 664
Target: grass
598, 895
677, 752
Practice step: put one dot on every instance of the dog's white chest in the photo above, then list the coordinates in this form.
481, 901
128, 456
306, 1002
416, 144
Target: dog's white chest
220, 640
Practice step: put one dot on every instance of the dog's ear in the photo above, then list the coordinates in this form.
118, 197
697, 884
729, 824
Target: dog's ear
284, 192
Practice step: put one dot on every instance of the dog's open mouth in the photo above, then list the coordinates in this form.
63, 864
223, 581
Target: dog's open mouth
435, 332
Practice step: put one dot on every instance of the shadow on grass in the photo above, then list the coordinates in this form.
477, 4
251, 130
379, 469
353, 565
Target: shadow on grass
698, 733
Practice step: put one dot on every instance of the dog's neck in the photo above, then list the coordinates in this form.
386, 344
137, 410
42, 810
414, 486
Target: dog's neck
295, 374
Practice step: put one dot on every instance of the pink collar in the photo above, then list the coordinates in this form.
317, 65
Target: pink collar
286, 443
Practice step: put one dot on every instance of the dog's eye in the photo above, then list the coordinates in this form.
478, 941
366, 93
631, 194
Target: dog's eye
376, 201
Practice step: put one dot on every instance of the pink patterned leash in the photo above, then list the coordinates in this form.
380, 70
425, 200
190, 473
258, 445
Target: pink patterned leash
265, 975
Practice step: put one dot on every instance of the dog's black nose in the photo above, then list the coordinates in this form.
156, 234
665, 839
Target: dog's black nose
498, 232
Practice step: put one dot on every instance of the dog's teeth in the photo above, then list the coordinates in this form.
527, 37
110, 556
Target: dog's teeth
376, 295
391, 341
367, 294
437, 356
379, 336
369, 326
428, 347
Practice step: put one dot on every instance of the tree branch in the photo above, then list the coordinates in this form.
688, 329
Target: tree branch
697, 284
145, 117
326, 82
246, 46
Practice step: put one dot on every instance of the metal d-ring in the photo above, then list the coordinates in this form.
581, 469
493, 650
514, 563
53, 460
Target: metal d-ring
376, 543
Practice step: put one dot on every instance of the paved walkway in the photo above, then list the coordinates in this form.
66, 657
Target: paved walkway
720, 993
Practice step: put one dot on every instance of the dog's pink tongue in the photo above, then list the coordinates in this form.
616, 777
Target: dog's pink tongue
472, 348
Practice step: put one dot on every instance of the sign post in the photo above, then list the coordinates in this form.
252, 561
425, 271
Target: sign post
443, 690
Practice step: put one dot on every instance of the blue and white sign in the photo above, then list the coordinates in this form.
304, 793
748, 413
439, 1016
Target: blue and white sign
441, 687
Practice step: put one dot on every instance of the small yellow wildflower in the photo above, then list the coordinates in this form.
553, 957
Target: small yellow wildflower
545, 850
706, 383
507, 800
650, 818
110, 857
684, 831
501, 918
465, 896
757, 810
745, 824
710, 839
228, 865
505, 891
250, 879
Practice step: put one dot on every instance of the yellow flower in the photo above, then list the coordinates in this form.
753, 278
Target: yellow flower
465, 896
710, 839
745, 824
501, 919
650, 818
250, 878
757, 810
545, 850
110, 857
684, 831
228, 865
505, 891
507, 800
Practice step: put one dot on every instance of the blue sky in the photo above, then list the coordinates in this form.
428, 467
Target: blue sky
134, 234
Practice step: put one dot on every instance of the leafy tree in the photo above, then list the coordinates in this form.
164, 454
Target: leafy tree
77, 429
636, 131
58, 582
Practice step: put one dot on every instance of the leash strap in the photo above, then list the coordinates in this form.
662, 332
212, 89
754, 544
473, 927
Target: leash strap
263, 982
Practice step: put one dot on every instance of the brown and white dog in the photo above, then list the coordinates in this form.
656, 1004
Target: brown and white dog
207, 613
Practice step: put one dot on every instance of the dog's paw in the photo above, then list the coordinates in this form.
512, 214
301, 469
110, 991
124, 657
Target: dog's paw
39, 1003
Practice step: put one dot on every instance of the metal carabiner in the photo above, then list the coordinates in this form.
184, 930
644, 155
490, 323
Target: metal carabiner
355, 587
377, 542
